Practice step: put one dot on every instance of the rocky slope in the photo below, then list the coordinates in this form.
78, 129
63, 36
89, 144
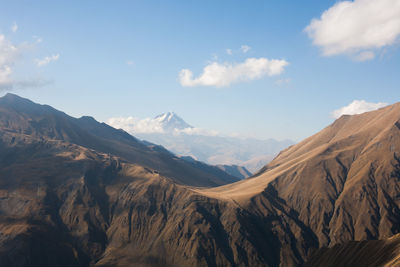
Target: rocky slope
341, 184
359, 254
65, 203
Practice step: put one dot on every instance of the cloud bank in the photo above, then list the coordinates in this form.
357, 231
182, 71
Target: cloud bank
8, 56
356, 28
134, 126
357, 107
222, 75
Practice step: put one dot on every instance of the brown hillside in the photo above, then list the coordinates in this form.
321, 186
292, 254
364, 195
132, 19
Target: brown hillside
41, 122
342, 181
64, 203
359, 254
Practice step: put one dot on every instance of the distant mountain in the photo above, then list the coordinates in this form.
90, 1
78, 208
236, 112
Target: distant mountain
43, 122
75, 192
172, 132
170, 121
234, 170
237, 171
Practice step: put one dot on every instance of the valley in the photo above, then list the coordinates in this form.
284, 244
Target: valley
89, 200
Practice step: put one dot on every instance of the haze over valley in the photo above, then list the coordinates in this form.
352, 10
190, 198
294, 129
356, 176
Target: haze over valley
172, 132
200, 133
97, 195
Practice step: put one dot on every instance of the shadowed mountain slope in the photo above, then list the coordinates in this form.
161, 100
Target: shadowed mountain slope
65, 205
19, 115
85, 205
237, 171
342, 183
359, 254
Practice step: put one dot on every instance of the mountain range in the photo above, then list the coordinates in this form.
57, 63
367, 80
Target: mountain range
42, 122
76, 192
172, 132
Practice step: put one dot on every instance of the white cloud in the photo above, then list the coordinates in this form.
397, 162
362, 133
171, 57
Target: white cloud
45, 61
357, 107
14, 27
5, 73
8, 56
134, 126
357, 28
245, 48
221, 75
130, 62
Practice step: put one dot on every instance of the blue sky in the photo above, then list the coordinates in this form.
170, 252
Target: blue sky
123, 58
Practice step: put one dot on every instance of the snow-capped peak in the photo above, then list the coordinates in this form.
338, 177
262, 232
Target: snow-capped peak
171, 121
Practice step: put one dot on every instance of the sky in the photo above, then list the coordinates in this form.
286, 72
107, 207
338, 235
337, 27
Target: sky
264, 69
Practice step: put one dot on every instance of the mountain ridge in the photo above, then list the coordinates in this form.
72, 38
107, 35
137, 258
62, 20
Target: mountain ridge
341, 184
45, 121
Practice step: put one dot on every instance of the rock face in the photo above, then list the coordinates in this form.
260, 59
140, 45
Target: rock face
82, 195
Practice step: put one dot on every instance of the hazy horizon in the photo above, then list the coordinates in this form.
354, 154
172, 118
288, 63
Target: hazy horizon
265, 70
254, 133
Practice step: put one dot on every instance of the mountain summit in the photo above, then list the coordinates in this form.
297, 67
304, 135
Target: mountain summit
171, 131
42, 122
170, 121
75, 192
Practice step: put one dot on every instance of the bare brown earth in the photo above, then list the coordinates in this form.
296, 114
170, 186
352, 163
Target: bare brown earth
359, 254
71, 201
